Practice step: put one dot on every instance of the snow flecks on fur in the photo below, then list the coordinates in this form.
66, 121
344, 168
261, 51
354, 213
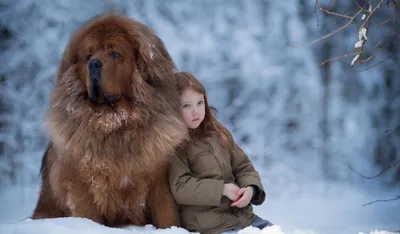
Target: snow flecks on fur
70, 109
102, 168
86, 160
151, 52
125, 182
113, 120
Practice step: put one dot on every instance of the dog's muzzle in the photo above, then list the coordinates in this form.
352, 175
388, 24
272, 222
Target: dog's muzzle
95, 68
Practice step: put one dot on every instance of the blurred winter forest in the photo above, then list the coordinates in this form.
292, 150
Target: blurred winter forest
299, 120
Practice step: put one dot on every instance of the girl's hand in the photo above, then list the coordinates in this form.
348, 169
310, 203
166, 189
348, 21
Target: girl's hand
231, 191
247, 194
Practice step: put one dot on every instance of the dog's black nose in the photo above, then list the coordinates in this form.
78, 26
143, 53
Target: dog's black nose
95, 64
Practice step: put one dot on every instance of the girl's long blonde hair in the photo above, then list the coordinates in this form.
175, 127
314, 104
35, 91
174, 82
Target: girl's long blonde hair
210, 125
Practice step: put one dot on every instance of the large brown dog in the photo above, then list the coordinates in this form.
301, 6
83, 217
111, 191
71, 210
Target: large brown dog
113, 123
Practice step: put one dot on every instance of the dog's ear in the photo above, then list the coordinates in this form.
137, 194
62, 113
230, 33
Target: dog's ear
152, 58
143, 56
69, 58
150, 64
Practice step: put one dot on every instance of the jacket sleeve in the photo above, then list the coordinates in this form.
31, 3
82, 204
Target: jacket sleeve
246, 175
189, 190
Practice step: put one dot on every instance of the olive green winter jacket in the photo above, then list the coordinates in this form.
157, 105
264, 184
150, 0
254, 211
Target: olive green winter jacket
196, 180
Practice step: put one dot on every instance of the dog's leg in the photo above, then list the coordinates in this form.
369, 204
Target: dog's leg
47, 206
80, 202
164, 211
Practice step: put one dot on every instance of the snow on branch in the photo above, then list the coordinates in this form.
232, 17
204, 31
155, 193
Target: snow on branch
363, 31
364, 13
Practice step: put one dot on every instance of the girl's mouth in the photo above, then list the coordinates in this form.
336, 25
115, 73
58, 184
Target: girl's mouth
195, 119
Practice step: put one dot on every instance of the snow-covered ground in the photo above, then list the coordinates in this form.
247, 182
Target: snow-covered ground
318, 211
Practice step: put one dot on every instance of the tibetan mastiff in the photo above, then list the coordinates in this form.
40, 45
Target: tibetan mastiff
113, 122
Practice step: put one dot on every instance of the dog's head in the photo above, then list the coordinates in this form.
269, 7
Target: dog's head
115, 70
115, 56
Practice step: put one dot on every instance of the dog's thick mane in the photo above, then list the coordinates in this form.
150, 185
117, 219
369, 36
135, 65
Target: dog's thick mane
72, 119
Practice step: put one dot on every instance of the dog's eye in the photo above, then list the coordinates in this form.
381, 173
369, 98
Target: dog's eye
115, 54
88, 57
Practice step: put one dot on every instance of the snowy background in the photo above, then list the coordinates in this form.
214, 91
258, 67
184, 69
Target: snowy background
301, 124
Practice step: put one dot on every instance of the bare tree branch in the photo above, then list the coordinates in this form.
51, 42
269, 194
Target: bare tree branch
336, 58
383, 22
329, 34
337, 14
367, 59
380, 173
362, 8
377, 64
385, 200
371, 12
393, 164
377, 46
315, 11
367, 11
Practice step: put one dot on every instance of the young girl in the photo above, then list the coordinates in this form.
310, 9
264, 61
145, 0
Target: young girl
211, 178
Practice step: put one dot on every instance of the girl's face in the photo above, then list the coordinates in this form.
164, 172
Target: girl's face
192, 108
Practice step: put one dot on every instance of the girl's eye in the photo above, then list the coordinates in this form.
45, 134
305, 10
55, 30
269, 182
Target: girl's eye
89, 57
115, 54
186, 106
201, 102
